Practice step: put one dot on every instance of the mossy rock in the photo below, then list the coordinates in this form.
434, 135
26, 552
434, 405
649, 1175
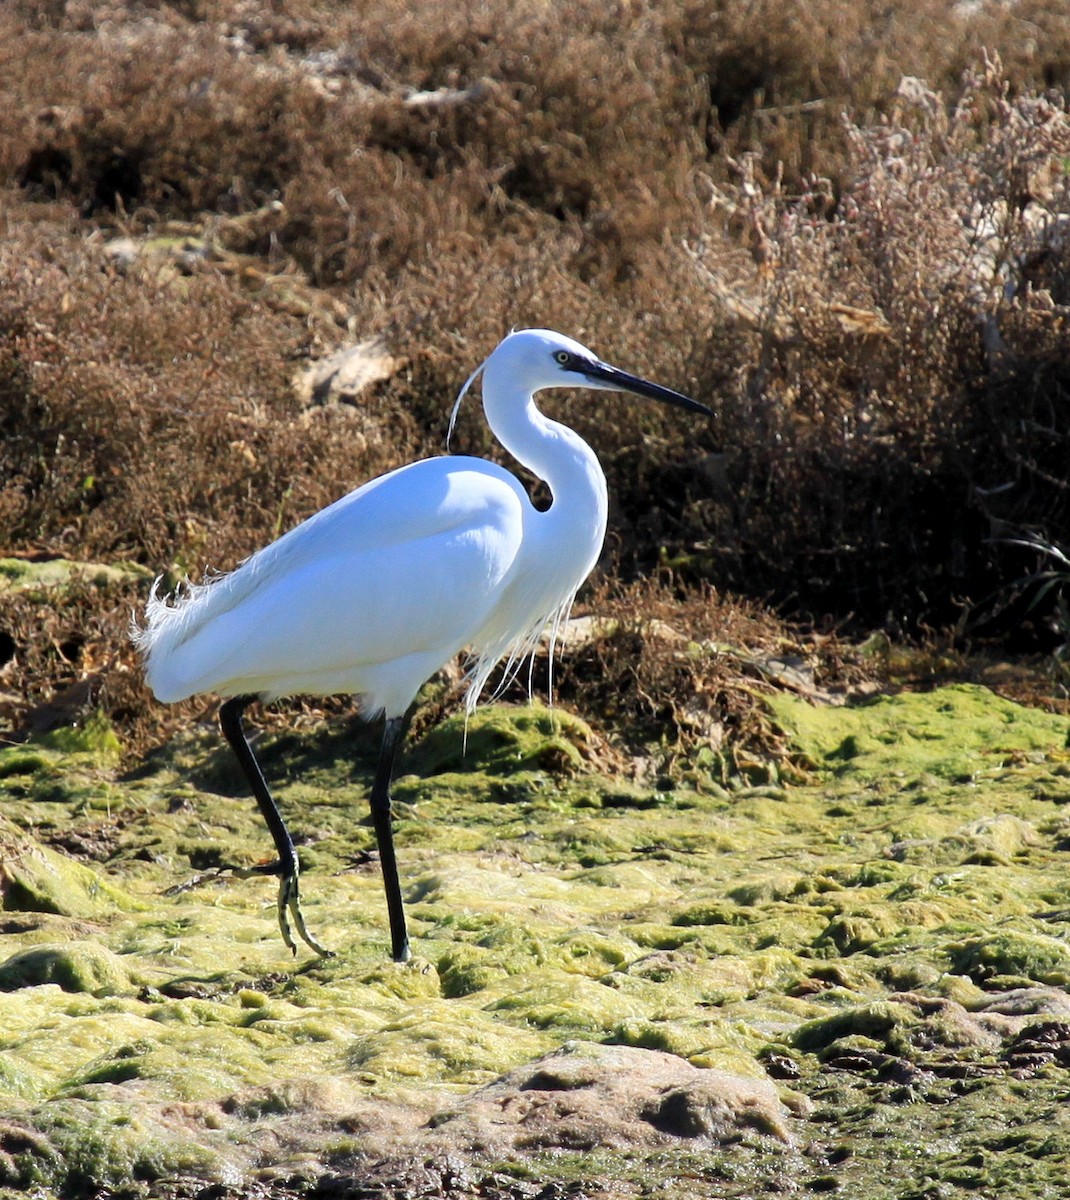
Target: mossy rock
92, 1146
20, 575
34, 878
501, 740
875, 1022
75, 967
1013, 958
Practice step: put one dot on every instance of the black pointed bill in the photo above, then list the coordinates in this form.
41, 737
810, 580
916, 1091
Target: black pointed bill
602, 375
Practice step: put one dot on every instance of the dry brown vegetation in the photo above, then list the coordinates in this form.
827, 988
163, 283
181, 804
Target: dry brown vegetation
843, 226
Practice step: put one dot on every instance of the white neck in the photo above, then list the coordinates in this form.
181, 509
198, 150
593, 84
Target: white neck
555, 453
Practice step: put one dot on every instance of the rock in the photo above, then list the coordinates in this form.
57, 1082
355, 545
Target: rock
74, 966
344, 375
26, 575
446, 97
1027, 1002
34, 878
585, 1096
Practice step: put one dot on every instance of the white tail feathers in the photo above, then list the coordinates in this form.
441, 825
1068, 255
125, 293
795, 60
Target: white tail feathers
171, 623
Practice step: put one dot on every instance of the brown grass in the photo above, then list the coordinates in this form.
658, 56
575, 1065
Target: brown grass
892, 335
866, 279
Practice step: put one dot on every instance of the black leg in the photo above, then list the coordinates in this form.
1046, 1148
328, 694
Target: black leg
393, 736
286, 866
230, 721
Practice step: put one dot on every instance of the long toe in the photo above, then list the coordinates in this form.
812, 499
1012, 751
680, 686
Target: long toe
290, 906
287, 887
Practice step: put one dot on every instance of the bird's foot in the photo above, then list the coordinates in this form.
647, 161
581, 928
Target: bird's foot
290, 906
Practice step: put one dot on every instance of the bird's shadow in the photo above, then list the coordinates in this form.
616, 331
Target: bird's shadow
497, 741
341, 748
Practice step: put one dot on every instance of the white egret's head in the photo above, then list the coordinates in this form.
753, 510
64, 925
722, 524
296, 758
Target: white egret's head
537, 359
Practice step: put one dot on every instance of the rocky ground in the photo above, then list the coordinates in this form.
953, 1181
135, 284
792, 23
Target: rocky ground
851, 978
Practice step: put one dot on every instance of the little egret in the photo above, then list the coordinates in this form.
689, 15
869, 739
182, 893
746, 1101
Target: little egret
372, 595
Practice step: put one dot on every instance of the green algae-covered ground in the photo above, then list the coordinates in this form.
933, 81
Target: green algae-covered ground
859, 983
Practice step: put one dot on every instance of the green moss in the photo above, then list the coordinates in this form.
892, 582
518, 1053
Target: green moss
955, 733
497, 953
1020, 958
427, 1042
503, 742
85, 967
34, 878
763, 929
876, 1022
704, 1042
23, 760
22, 575
96, 737
567, 1004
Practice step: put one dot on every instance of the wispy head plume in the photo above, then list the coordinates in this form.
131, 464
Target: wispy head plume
461, 395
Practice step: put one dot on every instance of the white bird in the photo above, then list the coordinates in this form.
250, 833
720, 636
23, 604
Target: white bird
375, 593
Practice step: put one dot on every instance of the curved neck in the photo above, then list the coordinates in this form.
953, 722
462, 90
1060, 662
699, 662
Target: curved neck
555, 453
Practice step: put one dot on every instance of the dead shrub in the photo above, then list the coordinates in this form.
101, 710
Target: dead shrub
65, 660
376, 147
169, 119
888, 370
872, 435
781, 77
152, 416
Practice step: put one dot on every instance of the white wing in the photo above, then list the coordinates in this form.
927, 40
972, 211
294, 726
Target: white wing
371, 595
